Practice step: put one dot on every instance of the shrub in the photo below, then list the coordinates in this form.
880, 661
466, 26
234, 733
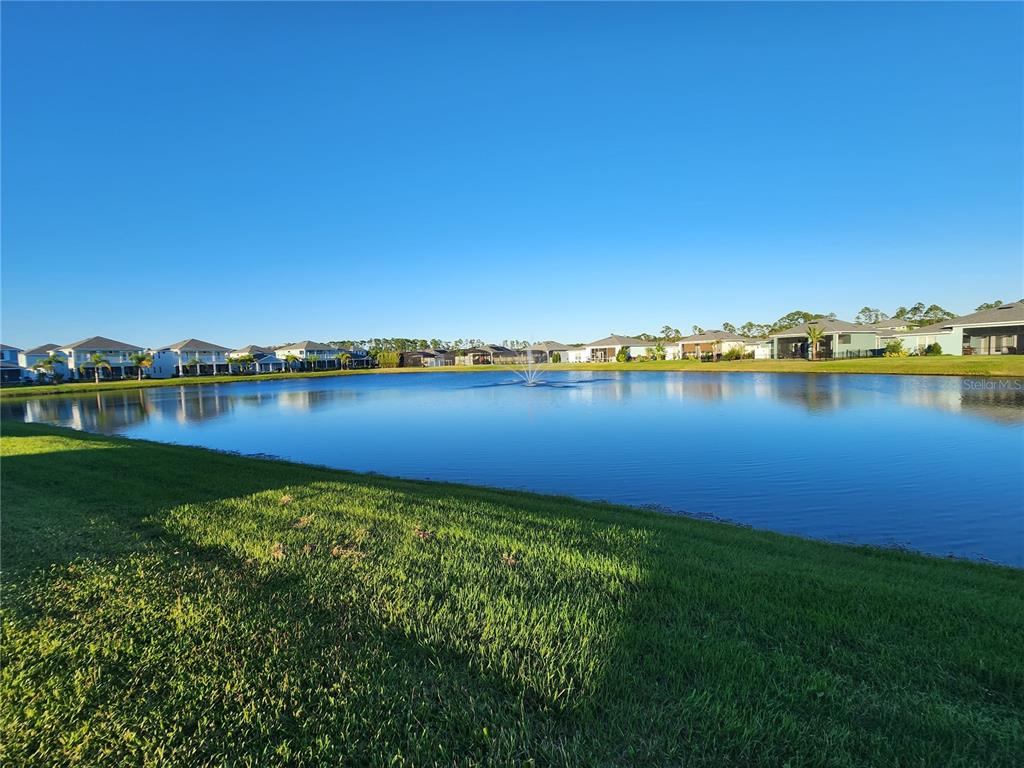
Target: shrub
736, 353
622, 356
895, 349
556, 357
933, 349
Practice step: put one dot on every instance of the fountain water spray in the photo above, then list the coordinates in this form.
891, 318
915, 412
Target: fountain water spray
529, 373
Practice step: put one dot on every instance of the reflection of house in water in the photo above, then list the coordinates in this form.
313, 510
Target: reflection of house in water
97, 413
195, 403
310, 400
995, 399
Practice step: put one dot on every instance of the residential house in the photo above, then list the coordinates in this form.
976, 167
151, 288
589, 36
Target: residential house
250, 350
542, 351
313, 355
606, 349
759, 349
576, 353
9, 354
361, 358
31, 357
889, 326
117, 355
190, 357
425, 358
840, 339
712, 344
270, 363
11, 372
488, 354
998, 331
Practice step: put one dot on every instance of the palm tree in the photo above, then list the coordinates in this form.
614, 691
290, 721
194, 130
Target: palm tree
814, 336
344, 358
47, 363
97, 361
244, 361
195, 362
141, 360
313, 360
290, 360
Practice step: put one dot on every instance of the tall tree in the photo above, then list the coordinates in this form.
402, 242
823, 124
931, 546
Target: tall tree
97, 360
870, 315
988, 305
729, 327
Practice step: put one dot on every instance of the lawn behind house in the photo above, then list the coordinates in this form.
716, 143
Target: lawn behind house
947, 365
165, 605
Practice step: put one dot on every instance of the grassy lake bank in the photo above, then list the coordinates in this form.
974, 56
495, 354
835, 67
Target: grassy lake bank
171, 605
996, 366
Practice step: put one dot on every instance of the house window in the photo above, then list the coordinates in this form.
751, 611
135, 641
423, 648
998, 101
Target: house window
845, 338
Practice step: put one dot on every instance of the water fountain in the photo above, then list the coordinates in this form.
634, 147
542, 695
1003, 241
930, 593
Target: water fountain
530, 373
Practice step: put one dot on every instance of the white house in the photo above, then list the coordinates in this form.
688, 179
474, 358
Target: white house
712, 342
575, 354
189, 357
998, 331
606, 349
311, 354
759, 349
117, 355
30, 357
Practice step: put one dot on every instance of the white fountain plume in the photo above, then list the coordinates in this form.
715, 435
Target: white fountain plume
529, 373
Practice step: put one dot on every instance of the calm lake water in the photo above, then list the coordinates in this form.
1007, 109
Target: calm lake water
931, 463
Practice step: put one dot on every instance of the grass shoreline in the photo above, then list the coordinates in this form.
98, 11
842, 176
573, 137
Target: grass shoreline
266, 612
994, 367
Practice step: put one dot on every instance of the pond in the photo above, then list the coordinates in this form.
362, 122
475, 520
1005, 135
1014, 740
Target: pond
930, 463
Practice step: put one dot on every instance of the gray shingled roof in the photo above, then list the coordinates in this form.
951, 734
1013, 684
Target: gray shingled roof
198, 345
1008, 314
102, 342
45, 349
307, 345
828, 326
251, 349
713, 336
621, 341
8, 346
549, 346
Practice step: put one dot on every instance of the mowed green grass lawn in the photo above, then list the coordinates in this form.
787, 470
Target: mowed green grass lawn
943, 365
165, 605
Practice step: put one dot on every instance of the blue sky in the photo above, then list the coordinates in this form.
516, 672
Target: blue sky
256, 173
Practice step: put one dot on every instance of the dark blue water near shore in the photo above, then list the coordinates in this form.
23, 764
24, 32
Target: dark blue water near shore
931, 463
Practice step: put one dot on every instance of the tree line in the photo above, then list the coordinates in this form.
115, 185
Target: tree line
401, 344
914, 316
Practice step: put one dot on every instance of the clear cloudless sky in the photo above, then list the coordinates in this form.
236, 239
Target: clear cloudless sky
258, 173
